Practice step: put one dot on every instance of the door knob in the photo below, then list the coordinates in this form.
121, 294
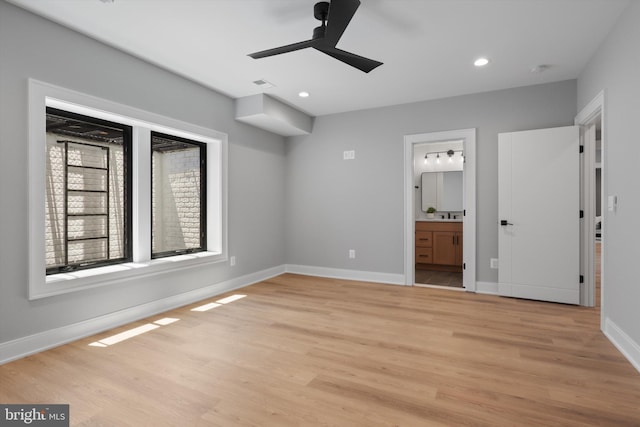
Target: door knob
504, 222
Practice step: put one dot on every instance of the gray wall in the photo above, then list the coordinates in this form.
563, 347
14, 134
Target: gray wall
615, 68
335, 205
32, 47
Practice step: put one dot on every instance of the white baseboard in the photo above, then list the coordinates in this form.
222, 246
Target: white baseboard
490, 288
41, 341
623, 342
338, 273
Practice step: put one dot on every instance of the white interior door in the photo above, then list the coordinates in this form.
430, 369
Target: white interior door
539, 208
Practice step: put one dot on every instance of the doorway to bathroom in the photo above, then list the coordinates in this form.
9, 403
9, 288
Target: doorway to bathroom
439, 235
440, 209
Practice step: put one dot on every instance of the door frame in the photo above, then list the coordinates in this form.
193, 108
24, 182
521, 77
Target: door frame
468, 136
595, 108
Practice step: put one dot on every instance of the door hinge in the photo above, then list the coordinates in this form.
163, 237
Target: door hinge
464, 212
581, 278
581, 214
581, 149
464, 265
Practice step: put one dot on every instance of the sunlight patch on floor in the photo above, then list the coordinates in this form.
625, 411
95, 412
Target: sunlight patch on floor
166, 321
231, 298
114, 339
206, 307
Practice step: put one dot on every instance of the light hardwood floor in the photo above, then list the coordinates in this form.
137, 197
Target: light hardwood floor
304, 351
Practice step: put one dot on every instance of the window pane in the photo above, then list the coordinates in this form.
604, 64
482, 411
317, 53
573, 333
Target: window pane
87, 210
178, 204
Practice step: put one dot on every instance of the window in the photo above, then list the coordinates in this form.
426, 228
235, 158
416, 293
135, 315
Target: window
87, 196
91, 201
178, 187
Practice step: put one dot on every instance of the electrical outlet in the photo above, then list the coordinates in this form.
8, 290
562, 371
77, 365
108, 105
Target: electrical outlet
352, 253
494, 263
232, 261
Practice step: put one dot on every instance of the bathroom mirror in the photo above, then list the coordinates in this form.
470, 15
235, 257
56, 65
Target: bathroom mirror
442, 190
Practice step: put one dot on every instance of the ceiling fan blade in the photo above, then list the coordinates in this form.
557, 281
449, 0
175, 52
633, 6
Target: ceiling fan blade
283, 49
357, 61
340, 14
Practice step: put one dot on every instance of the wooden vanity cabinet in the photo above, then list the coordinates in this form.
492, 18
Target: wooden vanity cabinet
438, 245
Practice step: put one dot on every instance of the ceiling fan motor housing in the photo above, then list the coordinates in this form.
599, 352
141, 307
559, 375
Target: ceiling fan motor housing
318, 32
321, 10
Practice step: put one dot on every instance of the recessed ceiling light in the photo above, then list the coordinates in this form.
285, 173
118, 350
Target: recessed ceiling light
481, 62
303, 94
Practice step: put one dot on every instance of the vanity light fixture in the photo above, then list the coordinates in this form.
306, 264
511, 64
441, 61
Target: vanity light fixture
449, 153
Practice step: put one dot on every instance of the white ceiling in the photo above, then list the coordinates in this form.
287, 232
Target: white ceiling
427, 46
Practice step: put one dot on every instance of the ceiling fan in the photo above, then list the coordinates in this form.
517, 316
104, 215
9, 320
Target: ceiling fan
335, 17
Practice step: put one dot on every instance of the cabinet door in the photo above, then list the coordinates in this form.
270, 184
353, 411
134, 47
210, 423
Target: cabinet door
445, 248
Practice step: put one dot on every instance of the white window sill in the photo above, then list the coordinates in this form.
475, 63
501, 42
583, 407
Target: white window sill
56, 284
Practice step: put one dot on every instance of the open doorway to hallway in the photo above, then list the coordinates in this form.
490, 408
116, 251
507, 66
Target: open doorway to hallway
597, 196
595, 206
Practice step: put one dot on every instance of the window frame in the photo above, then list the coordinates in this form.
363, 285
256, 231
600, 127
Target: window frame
41, 285
127, 144
203, 196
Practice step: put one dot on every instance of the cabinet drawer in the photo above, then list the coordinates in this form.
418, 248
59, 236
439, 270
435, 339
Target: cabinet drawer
424, 239
424, 255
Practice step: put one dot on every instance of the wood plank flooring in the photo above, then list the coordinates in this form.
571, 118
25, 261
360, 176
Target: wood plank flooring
305, 351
